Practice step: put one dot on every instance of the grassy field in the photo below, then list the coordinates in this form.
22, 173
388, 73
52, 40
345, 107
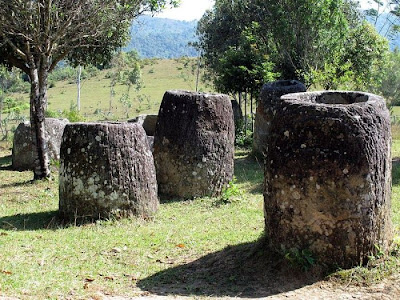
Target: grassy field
43, 258
159, 75
203, 247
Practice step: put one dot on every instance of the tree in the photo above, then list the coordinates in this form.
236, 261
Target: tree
37, 34
387, 79
298, 35
244, 68
385, 15
323, 42
357, 65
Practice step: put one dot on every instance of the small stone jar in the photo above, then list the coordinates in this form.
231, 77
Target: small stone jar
107, 170
270, 94
194, 144
24, 152
328, 176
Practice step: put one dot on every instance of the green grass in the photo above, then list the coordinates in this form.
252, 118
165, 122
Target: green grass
159, 75
199, 247
41, 257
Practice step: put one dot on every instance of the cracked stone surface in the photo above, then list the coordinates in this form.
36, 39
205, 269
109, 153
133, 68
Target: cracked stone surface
194, 144
328, 176
107, 169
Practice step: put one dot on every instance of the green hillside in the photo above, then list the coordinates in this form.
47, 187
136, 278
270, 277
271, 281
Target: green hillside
158, 76
163, 38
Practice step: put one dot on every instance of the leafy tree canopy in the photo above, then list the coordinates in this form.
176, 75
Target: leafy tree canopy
315, 41
37, 34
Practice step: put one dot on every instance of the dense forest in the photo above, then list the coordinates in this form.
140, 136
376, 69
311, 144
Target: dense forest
162, 38
167, 38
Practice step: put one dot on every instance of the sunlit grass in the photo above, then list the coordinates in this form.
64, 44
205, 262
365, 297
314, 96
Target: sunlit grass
43, 258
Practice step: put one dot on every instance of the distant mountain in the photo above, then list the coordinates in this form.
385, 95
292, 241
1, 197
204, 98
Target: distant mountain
167, 38
382, 27
162, 38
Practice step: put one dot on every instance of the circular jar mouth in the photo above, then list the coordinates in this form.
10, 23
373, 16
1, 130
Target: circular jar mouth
341, 98
284, 83
330, 97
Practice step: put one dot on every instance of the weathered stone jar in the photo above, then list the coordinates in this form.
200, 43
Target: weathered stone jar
328, 176
107, 169
194, 144
270, 94
24, 152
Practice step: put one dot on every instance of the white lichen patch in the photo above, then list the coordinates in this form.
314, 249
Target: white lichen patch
296, 195
77, 183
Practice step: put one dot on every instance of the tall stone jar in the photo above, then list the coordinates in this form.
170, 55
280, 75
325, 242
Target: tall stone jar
270, 94
194, 144
328, 176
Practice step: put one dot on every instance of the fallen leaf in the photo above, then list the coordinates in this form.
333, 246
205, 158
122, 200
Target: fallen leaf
181, 245
109, 278
6, 272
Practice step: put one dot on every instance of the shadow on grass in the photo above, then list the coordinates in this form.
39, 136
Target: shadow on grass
47, 220
31, 221
246, 270
5, 162
16, 184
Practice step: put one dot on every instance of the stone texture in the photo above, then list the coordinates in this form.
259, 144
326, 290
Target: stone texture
150, 140
270, 95
107, 169
148, 122
24, 149
328, 176
194, 144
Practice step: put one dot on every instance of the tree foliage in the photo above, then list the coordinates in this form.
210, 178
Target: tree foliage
37, 34
320, 42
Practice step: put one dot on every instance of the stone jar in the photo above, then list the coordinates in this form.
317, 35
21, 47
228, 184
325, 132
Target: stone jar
328, 176
147, 121
194, 144
270, 94
107, 170
24, 152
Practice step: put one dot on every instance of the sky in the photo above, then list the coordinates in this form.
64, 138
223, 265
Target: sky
190, 10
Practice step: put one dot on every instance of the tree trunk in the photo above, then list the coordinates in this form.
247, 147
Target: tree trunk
251, 111
1, 115
38, 100
245, 111
78, 100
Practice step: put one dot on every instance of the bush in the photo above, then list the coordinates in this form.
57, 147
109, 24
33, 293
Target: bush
73, 115
243, 133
